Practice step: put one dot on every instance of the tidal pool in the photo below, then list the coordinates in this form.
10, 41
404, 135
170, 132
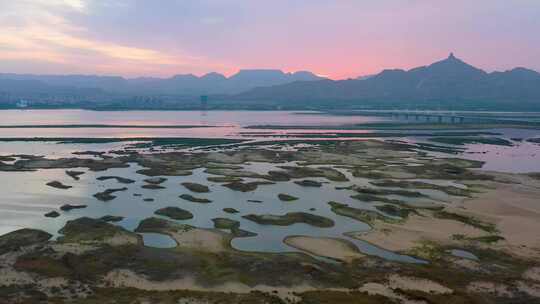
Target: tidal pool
26, 198
463, 254
157, 240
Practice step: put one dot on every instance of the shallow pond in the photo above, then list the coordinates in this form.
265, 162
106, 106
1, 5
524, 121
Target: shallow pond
463, 254
158, 240
522, 157
26, 199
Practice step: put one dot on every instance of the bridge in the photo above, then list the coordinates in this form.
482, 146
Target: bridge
435, 116
438, 116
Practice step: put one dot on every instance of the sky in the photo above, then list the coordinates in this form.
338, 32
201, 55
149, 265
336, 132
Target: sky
333, 38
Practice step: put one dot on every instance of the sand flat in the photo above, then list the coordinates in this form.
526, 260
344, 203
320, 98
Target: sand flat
201, 239
514, 208
333, 248
402, 237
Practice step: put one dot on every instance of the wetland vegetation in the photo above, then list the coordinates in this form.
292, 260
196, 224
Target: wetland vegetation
175, 213
290, 219
194, 187
191, 198
107, 195
330, 221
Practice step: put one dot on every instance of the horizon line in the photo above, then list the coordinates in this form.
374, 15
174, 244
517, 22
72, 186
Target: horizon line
284, 71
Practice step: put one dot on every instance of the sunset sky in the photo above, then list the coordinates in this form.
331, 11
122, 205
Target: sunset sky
334, 38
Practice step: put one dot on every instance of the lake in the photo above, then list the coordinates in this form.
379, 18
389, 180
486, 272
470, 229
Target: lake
521, 157
26, 198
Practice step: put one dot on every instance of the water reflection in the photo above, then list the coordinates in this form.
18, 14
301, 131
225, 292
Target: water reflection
157, 240
26, 198
463, 254
214, 118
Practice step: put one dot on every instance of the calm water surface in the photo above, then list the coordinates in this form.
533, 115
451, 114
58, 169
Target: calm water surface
218, 123
25, 197
195, 118
522, 157
463, 254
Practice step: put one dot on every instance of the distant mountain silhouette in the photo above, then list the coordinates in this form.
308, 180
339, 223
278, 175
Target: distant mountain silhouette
449, 80
446, 84
186, 84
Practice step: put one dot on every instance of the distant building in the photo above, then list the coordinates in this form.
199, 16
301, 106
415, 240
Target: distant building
204, 102
22, 104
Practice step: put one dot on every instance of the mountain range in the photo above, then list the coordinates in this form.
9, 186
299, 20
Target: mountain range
447, 84
186, 84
